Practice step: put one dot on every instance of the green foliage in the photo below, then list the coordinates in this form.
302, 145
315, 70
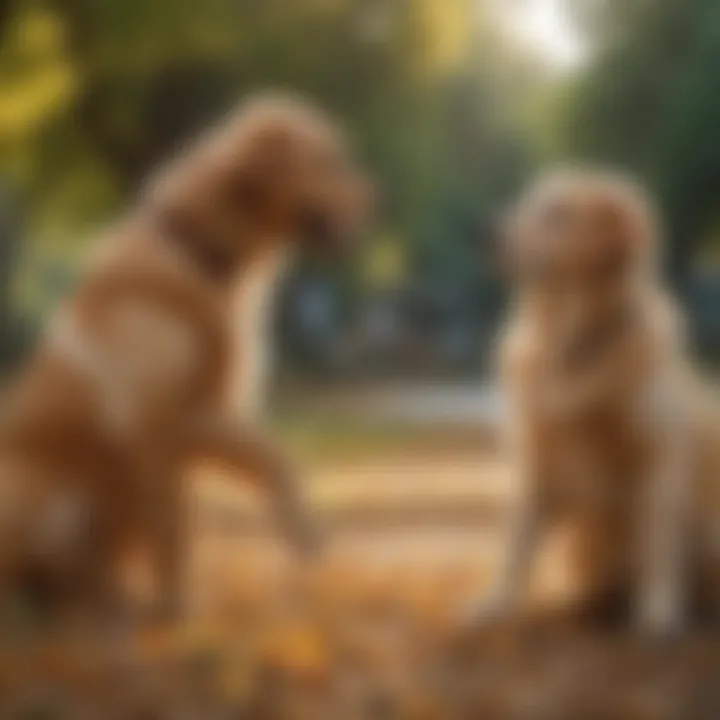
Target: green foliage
649, 102
95, 92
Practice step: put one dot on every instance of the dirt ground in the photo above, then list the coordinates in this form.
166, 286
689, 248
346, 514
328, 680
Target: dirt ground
369, 631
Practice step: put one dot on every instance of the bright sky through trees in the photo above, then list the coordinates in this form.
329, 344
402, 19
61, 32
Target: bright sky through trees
545, 25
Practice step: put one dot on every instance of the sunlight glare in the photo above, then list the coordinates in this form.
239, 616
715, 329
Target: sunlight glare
544, 25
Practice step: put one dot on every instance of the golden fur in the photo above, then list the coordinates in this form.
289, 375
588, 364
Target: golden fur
146, 364
609, 430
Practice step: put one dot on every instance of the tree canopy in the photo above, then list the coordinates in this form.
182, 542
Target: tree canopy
648, 102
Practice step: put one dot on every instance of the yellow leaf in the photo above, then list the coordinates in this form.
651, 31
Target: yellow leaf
299, 650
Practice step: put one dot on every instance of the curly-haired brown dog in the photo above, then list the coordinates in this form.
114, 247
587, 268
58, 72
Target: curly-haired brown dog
160, 353
609, 428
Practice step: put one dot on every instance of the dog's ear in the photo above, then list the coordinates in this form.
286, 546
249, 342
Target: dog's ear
260, 177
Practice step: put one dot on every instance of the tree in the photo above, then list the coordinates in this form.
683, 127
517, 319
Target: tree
647, 102
93, 93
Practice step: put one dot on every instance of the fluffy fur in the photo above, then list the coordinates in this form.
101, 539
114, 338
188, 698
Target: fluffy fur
160, 355
609, 426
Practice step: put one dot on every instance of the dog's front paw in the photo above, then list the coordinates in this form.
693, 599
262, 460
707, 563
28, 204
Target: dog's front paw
483, 612
660, 615
476, 622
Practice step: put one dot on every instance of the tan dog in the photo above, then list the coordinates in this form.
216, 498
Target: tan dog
160, 354
609, 431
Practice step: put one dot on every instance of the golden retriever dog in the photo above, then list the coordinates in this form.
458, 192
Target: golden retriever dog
609, 429
159, 356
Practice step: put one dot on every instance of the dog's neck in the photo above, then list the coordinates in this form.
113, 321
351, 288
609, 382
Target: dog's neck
220, 255
579, 331
247, 269
592, 342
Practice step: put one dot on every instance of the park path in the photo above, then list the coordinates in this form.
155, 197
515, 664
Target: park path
429, 504
428, 517
432, 404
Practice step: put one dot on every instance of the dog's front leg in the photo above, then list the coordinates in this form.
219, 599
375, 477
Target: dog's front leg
170, 538
664, 524
525, 525
526, 522
244, 448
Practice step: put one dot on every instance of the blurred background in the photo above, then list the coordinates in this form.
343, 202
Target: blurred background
383, 382
453, 104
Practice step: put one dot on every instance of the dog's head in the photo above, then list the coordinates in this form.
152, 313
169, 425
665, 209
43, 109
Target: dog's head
580, 230
278, 170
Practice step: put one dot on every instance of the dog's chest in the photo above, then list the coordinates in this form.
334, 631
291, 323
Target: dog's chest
250, 330
595, 461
